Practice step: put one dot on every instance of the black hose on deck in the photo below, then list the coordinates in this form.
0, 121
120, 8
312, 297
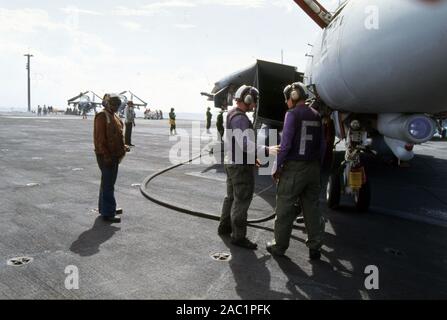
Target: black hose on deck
184, 210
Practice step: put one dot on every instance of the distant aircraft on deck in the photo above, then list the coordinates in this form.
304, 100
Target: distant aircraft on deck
89, 101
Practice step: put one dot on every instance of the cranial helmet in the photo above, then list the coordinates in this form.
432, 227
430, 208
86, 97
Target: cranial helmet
247, 94
296, 91
114, 100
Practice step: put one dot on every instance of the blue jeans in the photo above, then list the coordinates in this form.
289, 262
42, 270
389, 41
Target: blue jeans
107, 202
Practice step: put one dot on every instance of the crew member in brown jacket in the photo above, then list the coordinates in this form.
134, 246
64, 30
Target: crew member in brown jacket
110, 150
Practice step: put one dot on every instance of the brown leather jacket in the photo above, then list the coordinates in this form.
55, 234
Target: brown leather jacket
108, 136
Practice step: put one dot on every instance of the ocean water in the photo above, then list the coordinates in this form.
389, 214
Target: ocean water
9, 109
180, 115
192, 116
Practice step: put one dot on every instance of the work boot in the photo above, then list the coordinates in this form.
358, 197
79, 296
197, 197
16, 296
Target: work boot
273, 249
314, 254
244, 243
223, 230
112, 219
118, 211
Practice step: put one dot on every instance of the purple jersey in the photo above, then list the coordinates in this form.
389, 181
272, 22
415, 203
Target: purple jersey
241, 137
302, 136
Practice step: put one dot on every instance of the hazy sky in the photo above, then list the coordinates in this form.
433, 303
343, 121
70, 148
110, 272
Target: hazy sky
166, 52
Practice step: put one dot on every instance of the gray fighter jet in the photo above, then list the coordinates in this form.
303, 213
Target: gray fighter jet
377, 75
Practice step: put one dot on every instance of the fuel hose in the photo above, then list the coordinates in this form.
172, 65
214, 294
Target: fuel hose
149, 179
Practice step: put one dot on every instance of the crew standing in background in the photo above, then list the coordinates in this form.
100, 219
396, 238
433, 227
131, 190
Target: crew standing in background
220, 126
129, 114
173, 130
298, 173
110, 150
209, 116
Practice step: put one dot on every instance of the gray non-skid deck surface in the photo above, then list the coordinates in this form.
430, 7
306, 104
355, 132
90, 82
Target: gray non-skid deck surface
157, 253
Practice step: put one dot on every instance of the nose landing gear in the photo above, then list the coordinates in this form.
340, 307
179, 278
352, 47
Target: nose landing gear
349, 178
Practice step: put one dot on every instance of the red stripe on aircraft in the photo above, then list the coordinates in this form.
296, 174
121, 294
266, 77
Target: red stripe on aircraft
312, 14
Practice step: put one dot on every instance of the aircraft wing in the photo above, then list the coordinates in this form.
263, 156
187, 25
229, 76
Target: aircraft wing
134, 97
73, 100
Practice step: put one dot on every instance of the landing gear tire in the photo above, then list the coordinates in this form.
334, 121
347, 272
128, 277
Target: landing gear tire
363, 199
443, 134
333, 191
329, 129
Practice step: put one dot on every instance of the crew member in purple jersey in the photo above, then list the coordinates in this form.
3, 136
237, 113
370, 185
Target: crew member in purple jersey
297, 173
239, 167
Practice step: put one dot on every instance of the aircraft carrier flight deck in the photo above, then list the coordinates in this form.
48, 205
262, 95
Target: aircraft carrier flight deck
49, 190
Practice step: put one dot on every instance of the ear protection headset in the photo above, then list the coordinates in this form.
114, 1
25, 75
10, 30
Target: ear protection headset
295, 94
295, 91
247, 94
248, 99
105, 100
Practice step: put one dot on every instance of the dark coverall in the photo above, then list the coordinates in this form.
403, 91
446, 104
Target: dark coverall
172, 122
208, 120
220, 126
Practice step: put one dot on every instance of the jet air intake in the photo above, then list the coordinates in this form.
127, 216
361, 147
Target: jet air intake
84, 103
415, 128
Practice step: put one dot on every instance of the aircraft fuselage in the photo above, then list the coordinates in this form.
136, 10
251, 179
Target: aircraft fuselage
381, 56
